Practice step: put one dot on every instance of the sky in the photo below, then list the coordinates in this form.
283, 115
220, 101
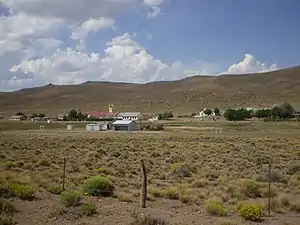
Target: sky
73, 41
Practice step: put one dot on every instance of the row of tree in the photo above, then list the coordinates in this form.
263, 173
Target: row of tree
283, 112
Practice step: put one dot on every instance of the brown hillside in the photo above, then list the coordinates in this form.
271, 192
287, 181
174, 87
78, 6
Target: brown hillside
186, 95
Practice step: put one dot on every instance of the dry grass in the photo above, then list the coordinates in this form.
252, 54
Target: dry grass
186, 167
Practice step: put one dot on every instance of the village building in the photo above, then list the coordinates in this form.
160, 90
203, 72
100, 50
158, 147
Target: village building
101, 115
153, 118
99, 126
17, 118
130, 115
202, 114
124, 125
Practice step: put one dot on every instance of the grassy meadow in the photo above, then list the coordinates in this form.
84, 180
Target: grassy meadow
193, 174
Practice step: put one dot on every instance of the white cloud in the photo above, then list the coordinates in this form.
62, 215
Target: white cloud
251, 65
154, 13
125, 60
153, 2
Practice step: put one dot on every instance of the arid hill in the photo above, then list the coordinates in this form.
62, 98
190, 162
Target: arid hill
182, 96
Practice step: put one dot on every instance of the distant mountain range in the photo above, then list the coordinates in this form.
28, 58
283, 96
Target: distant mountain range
182, 96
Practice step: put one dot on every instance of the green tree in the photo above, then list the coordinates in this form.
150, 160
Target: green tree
73, 115
230, 114
287, 110
208, 111
217, 111
42, 115
276, 112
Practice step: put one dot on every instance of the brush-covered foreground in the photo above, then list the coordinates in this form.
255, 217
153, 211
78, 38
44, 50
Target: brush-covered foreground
193, 178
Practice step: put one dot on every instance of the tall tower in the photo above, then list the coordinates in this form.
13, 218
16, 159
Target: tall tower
110, 108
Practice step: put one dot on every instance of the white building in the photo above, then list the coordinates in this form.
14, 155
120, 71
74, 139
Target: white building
202, 114
130, 115
153, 118
124, 125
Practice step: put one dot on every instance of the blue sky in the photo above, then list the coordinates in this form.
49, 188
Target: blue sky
203, 36
222, 31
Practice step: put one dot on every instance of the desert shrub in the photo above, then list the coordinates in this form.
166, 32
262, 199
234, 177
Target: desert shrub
6, 206
55, 189
6, 219
294, 167
188, 199
250, 188
70, 198
153, 127
124, 198
215, 207
200, 183
296, 206
251, 212
99, 186
179, 170
146, 219
156, 192
276, 176
172, 193
22, 191
103, 170
284, 200
89, 209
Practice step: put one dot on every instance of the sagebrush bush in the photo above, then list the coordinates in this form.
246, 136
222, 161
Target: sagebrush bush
146, 219
70, 198
295, 206
99, 186
6, 219
6, 206
89, 209
215, 207
251, 212
55, 189
250, 188
22, 191
179, 170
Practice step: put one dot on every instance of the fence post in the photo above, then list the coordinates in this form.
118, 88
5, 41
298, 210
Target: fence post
64, 174
269, 194
144, 185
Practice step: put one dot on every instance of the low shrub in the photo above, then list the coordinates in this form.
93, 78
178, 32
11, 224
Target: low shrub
55, 189
6, 219
188, 199
179, 170
22, 191
251, 212
146, 219
296, 206
98, 186
124, 198
70, 198
250, 188
89, 209
172, 193
215, 208
6, 206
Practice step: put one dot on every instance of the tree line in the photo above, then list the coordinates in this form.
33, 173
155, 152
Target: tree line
283, 112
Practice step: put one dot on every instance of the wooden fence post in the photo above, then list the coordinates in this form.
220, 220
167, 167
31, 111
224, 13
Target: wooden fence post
64, 174
269, 194
144, 185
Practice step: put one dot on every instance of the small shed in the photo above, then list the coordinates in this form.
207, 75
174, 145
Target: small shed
69, 127
124, 125
93, 127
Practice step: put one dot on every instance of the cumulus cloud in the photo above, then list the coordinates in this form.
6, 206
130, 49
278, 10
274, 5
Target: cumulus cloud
34, 50
251, 65
124, 60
